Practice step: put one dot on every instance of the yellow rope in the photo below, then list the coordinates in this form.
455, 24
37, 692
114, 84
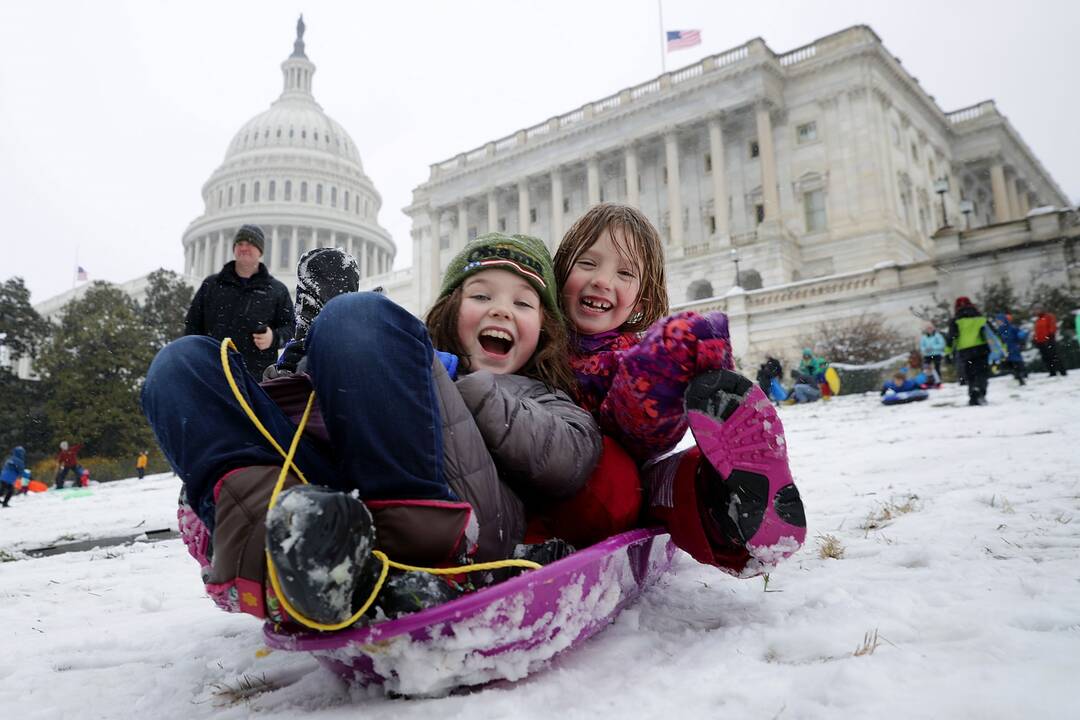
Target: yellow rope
387, 563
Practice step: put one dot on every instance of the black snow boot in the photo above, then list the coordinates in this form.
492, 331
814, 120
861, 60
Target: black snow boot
321, 275
320, 541
544, 553
413, 591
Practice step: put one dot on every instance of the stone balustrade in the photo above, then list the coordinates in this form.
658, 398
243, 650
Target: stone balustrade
986, 107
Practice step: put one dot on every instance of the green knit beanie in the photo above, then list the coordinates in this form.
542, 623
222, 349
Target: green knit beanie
523, 255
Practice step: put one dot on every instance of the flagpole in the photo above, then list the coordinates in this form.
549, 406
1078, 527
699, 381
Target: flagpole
75, 270
663, 36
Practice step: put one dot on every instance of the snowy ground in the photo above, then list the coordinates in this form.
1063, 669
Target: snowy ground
961, 536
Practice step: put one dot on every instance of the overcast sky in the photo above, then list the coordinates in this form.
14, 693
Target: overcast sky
113, 114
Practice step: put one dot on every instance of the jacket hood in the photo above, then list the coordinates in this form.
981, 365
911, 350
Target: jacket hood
20, 453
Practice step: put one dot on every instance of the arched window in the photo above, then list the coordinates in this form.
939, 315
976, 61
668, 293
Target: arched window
243, 193
316, 136
750, 279
357, 204
220, 199
230, 196
333, 197
318, 194
303, 134
288, 190
291, 132
699, 290
279, 132
271, 191
303, 191
255, 192
345, 205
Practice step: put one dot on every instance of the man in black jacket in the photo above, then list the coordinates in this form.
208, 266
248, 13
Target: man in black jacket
246, 303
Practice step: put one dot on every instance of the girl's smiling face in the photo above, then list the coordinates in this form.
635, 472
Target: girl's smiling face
499, 321
601, 291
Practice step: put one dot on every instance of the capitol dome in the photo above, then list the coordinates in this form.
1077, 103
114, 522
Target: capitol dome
297, 173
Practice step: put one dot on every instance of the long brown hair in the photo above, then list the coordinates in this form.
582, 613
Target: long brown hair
644, 250
549, 362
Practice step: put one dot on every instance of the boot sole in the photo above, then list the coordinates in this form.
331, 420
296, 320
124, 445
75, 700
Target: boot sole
748, 450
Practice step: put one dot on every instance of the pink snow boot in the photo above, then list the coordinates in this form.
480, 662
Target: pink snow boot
740, 434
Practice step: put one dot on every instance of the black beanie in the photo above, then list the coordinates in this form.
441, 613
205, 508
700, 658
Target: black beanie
253, 234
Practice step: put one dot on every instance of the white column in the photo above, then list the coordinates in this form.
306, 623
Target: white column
363, 258
633, 196
523, 206
719, 180
275, 250
196, 264
492, 212
434, 275
462, 225
1001, 195
556, 208
333, 238
674, 194
294, 243
1014, 200
769, 192
592, 177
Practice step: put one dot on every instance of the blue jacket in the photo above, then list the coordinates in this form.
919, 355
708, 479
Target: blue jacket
14, 467
932, 344
906, 386
1011, 335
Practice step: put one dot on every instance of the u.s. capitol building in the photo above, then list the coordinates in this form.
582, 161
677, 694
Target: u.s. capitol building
827, 172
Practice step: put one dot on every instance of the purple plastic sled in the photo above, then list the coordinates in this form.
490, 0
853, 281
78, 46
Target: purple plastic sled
502, 632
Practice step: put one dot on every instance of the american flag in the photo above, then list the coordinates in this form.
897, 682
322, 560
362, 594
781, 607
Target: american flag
679, 39
81, 274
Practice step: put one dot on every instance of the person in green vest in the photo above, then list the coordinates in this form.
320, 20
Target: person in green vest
967, 340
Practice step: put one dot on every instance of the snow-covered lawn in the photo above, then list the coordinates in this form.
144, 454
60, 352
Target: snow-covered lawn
960, 530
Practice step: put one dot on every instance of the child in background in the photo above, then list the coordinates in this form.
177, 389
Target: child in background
899, 382
140, 464
440, 465
932, 347
22, 486
730, 501
1014, 338
12, 470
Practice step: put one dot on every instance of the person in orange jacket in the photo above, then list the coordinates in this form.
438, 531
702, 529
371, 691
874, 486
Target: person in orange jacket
1045, 339
140, 464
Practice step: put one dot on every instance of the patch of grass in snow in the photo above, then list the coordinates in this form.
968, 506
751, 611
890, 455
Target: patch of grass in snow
6, 556
869, 644
829, 546
1003, 503
243, 688
888, 512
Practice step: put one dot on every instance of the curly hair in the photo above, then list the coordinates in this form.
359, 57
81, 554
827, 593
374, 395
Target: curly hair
644, 250
549, 363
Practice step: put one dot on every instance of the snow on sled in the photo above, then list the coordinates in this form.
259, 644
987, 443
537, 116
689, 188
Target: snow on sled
502, 632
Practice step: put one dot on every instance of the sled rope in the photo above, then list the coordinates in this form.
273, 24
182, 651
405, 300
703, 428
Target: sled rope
387, 563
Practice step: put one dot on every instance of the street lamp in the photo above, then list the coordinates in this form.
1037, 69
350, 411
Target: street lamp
967, 207
941, 186
735, 259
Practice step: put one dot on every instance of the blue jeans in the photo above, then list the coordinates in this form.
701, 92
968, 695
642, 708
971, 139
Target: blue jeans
804, 393
370, 364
